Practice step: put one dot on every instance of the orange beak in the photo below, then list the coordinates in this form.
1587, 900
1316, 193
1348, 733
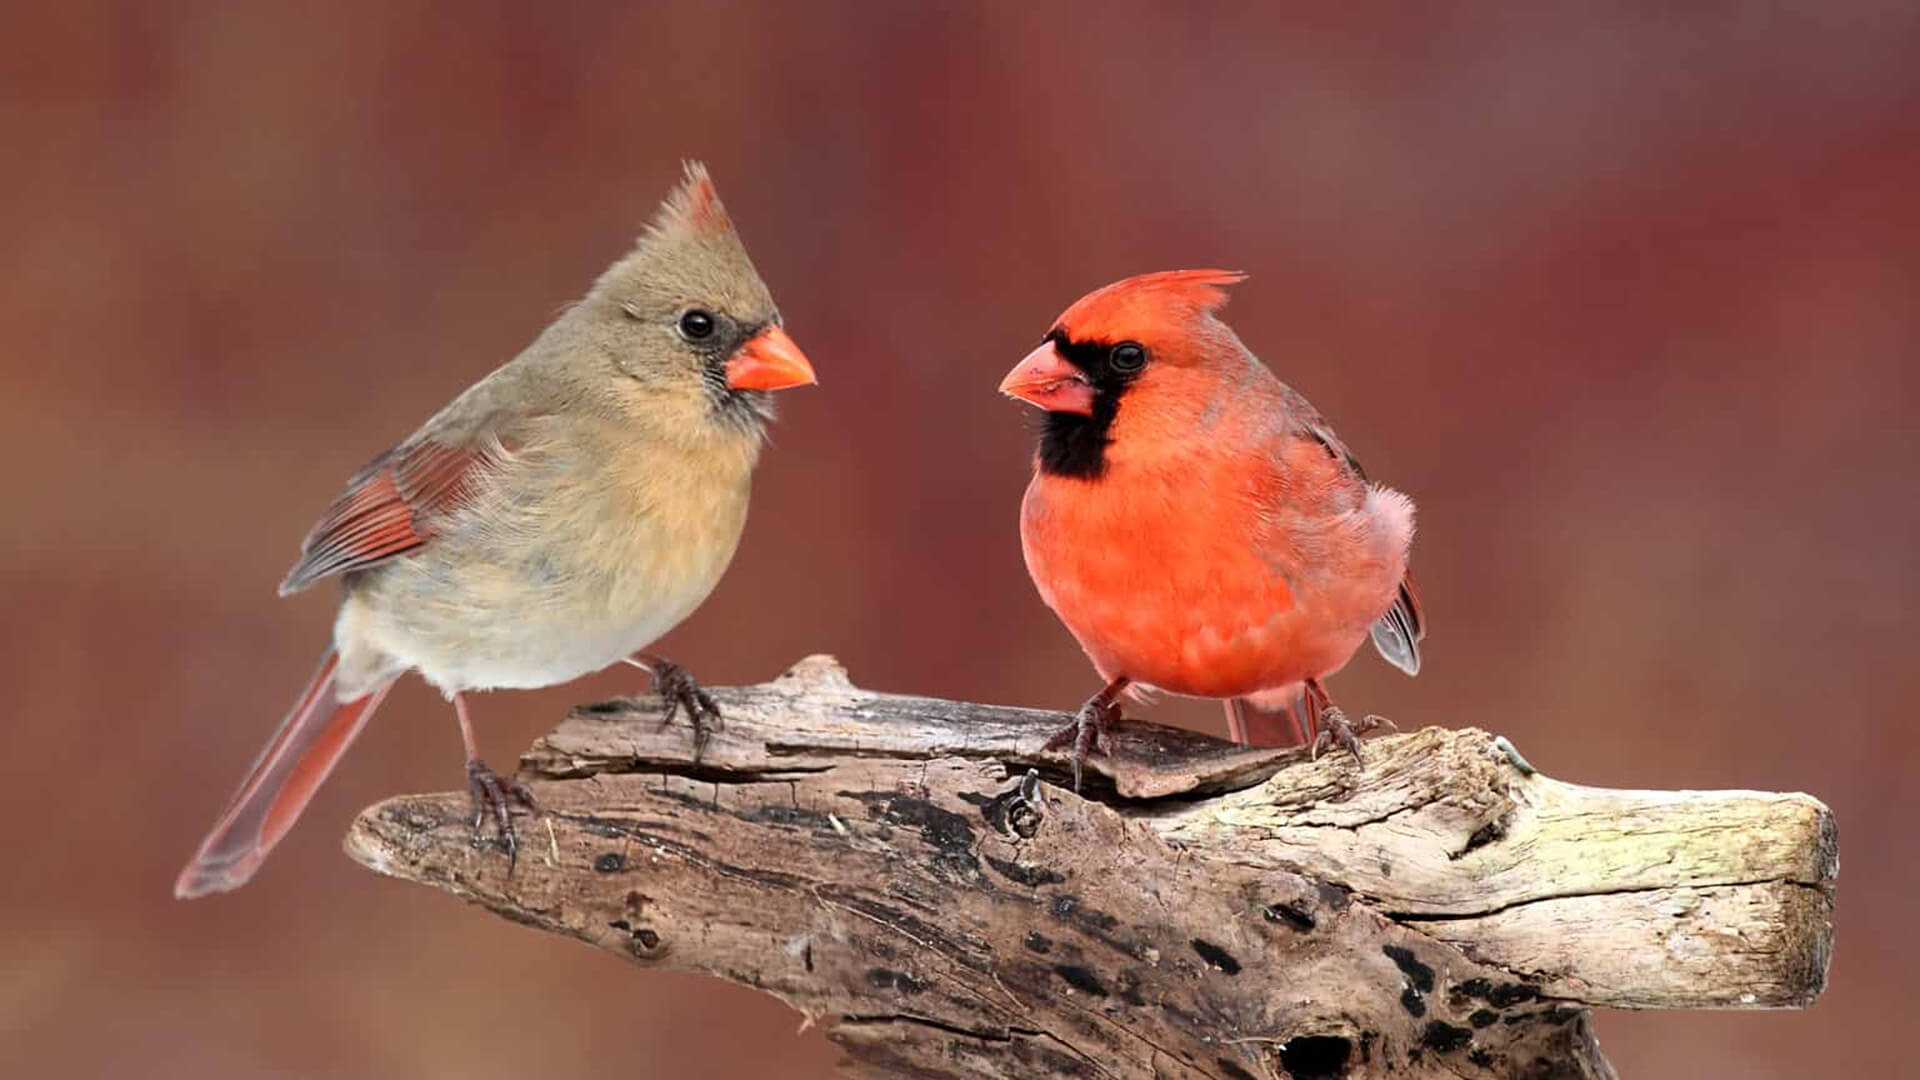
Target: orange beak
769, 360
1044, 378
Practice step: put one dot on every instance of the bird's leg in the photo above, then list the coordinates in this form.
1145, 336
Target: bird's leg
1090, 727
490, 791
678, 691
1297, 710
1334, 727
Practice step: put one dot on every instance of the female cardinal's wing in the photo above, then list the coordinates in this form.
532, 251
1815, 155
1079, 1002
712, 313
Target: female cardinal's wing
391, 506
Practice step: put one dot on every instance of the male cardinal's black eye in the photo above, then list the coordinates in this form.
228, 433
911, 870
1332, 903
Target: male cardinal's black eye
1127, 356
696, 325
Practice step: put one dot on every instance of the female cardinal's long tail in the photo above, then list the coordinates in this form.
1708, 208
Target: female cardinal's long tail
277, 788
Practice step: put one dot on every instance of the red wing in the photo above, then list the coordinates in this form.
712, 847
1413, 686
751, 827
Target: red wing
1319, 432
389, 509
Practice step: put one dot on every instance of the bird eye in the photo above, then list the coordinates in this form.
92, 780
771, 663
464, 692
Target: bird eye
696, 325
1127, 356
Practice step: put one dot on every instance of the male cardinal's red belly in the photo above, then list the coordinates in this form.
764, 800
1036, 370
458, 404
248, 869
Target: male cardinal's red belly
1186, 601
1223, 629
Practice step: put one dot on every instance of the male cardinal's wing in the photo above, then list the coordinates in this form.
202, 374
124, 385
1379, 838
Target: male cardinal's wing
1318, 430
1397, 634
391, 506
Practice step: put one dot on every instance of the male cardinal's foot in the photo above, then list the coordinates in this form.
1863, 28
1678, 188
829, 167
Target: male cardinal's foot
1337, 730
490, 792
1090, 728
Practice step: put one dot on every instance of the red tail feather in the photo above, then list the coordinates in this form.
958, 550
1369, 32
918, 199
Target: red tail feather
278, 787
1251, 725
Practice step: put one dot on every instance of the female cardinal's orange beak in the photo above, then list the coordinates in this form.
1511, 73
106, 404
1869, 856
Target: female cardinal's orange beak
1045, 379
769, 360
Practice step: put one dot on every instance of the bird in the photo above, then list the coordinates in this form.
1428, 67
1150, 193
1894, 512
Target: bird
1198, 526
556, 518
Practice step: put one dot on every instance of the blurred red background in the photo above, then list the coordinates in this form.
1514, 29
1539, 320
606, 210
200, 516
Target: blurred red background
1626, 301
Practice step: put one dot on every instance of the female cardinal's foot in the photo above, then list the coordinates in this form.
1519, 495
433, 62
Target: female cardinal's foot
1337, 730
1090, 728
678, 690
490, 792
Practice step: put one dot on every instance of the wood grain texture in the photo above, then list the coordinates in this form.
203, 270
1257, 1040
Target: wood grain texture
905, 872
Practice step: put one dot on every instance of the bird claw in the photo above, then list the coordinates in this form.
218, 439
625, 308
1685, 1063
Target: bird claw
678, 691
490, 792
1336, 729
1089, 729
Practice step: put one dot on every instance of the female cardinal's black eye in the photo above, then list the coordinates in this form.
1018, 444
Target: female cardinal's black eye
696, 325
1127, 356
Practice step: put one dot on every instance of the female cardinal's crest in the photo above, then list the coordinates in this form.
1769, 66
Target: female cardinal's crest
1119, 309
694, 204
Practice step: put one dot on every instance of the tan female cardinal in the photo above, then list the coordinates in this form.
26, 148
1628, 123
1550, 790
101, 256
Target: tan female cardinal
1197, 525
557, 517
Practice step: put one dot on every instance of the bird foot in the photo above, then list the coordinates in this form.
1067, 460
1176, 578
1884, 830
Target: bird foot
1090, 729
678, 691
490, 792
1336, 729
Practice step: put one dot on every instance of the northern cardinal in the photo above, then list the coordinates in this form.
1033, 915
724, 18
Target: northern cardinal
1197, 525
556, 518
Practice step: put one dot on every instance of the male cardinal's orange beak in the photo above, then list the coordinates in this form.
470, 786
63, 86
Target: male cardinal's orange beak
769, 360
1045, 379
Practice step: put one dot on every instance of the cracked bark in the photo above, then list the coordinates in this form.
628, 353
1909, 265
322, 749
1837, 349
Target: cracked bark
893, 868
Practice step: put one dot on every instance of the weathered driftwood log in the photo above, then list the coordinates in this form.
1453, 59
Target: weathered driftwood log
894, 868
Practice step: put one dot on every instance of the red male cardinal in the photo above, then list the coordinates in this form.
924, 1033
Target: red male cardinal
557, 517
1197, 525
